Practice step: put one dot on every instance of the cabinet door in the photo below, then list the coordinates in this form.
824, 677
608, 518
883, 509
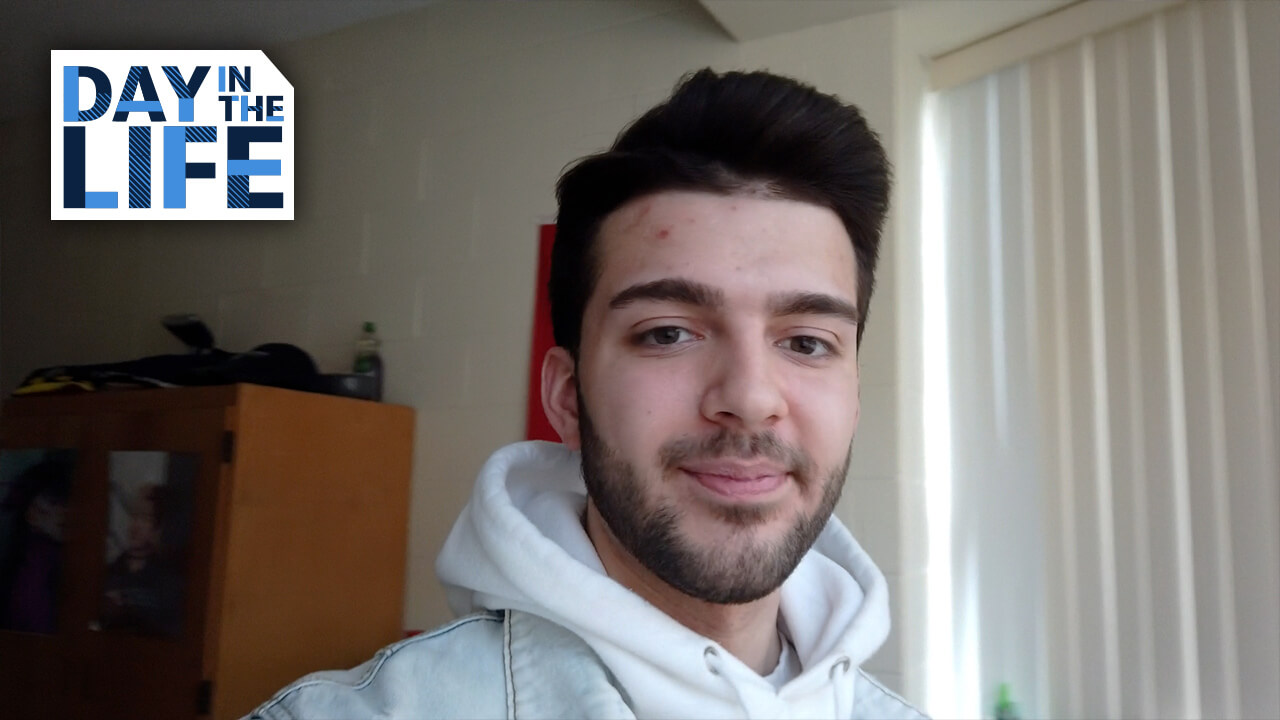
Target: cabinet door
42, 484
141, 619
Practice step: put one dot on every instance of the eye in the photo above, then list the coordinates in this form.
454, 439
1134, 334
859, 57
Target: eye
666, 335
809, 346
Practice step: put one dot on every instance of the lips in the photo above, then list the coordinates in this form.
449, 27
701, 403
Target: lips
737, 480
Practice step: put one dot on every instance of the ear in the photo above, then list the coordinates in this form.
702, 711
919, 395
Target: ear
560, 395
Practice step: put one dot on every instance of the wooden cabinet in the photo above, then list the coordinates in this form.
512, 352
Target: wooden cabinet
281, 520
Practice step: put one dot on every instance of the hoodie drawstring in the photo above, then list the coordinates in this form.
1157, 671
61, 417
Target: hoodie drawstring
715, 665
842, 687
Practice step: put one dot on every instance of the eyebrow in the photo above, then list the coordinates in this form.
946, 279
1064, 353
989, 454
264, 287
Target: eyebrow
810, 303
678, 290
695, 294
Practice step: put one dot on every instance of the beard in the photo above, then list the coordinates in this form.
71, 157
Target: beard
742, 570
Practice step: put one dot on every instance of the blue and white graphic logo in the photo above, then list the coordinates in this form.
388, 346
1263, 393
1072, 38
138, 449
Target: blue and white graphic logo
170, 135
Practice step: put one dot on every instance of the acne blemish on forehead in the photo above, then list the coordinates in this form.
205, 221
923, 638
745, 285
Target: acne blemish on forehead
663, 234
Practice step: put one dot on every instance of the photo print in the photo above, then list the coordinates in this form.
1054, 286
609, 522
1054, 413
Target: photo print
148, 532
35, 485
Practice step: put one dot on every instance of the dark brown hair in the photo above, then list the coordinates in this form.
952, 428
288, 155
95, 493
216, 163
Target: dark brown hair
724, 133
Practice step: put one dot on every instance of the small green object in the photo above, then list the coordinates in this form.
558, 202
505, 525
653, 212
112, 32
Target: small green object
1005, 708
367, 359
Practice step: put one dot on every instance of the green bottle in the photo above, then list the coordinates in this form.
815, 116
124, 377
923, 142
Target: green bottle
1005, 709
368, 361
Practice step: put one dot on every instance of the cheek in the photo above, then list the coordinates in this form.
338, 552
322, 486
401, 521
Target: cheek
826, 414
636, 407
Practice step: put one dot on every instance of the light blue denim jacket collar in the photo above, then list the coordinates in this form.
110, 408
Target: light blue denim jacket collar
498, 665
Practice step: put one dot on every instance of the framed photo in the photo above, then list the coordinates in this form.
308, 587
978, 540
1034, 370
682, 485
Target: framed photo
148, 532
35, 486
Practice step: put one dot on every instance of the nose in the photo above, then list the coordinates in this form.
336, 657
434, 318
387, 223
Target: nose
743, 391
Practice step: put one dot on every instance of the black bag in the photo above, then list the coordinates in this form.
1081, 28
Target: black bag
275, 364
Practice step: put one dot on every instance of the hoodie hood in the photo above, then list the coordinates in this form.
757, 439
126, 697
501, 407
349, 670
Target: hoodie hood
519, 544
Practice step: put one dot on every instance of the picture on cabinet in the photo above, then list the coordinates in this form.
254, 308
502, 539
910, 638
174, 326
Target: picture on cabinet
148, 531
34, 487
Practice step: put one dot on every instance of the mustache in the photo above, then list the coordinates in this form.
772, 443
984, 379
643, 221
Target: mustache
728, 444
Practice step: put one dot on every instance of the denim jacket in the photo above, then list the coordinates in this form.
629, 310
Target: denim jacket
507, 664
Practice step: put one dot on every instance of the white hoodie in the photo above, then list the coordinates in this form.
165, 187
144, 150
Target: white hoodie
519, 544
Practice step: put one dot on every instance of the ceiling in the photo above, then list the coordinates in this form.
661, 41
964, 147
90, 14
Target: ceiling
32, 28
753, 19
936, 26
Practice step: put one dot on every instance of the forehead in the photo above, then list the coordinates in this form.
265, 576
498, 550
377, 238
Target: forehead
743, 242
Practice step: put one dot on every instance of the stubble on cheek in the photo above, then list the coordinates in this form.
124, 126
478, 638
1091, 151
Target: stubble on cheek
735, 564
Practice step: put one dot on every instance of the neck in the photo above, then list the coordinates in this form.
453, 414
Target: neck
749, 631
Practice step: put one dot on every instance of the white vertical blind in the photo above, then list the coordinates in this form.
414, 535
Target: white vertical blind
1112, 265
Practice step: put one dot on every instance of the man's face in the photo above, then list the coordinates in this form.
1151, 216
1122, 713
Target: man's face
718, 385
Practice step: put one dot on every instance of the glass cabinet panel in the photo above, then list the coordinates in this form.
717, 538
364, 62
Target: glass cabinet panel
35, 485
149, 517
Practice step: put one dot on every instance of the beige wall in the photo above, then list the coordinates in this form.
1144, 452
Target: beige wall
428, 146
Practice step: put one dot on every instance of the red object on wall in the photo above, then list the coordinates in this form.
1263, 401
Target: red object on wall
537, 427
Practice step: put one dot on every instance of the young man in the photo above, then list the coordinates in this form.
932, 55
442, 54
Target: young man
676, 557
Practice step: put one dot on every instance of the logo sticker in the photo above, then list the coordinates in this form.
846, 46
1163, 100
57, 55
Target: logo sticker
170, 135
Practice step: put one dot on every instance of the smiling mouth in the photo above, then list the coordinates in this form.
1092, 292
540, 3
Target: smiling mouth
737, 483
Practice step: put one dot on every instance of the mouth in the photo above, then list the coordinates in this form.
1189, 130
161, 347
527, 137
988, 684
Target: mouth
738, 481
